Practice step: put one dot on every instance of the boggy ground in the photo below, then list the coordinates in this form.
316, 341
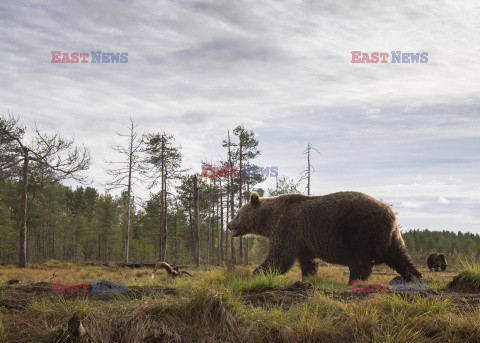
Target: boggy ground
220, 305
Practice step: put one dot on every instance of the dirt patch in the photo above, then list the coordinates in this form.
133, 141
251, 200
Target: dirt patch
300, 292
284, 296
18, 296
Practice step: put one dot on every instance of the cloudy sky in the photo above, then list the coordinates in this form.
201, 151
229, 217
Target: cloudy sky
405, 133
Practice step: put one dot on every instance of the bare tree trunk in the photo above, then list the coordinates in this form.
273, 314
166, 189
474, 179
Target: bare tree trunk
240, 194
212, 244
218, 227
192, 231
221, 220
308, 169
246, 239
99, 256
163, 212
175, 243
45, 243
208, 230
39, 245
213, 241
227, 242
76, 242
234, 257
232, 197
163, 236
22, 257
129, 205
106, 252
197, 221
29, 244
163, 206
53, 243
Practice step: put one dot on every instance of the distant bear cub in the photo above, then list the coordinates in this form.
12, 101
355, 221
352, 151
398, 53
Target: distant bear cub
437, 261
347, 228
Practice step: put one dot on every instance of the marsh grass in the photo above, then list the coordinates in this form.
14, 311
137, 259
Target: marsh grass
242, 280
61, 306
211, 306
52, 264
414, 304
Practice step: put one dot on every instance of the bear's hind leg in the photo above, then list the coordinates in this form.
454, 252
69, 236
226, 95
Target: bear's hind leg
307, 264
360, 271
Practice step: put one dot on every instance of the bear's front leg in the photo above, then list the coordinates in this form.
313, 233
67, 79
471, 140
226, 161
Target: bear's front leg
275, 264
281, 255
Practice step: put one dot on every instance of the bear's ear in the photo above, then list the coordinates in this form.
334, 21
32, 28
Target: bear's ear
254, 198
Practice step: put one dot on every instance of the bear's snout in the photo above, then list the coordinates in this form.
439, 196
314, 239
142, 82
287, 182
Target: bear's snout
235, 232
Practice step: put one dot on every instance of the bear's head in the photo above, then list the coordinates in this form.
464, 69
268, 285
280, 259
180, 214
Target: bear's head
442, 261
249, 219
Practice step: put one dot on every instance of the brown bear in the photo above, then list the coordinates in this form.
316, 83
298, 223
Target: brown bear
437, 261
346, 228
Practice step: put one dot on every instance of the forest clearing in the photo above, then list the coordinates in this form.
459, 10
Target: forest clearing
217, 304
90, 296
239, 171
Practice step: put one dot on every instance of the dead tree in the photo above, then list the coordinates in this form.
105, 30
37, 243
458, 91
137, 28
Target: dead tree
123, 174
306, 173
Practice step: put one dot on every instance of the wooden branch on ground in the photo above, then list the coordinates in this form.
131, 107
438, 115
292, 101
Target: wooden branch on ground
146, 265
171, 270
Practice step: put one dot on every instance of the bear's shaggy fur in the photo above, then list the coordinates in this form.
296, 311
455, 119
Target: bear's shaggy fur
437, 261
346, 228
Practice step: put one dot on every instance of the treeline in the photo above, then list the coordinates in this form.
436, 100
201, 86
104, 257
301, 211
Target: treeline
184, 219
457, 247
82, 224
